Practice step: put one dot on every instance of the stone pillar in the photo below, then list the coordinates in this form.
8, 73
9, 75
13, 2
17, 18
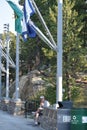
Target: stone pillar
49, 119
4, 104
15, 107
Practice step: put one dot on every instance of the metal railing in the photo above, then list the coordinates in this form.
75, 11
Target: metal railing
30, 106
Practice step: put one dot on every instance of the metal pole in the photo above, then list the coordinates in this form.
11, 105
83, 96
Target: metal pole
17, 66
7, 69
6, 27
44, 24
59, 53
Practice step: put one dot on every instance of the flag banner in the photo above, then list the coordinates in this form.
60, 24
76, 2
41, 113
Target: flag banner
18, 16
26, 28
29, 29
29, 9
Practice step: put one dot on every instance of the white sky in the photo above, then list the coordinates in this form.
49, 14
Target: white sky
6, 16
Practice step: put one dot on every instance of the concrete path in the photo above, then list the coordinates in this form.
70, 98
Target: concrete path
10, 122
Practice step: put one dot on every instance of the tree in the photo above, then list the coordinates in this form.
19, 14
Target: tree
81, 7
73, 56
74, 60
42, 51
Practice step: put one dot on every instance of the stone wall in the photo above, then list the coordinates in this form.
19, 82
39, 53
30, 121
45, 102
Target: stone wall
4, 104
49, 119
13, 107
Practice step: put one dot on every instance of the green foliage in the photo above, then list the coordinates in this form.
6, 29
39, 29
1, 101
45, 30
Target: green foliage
81, 7
73, 51
75, 92
51, 94
74, 47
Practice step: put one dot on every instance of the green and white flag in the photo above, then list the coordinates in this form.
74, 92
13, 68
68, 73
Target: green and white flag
18, 16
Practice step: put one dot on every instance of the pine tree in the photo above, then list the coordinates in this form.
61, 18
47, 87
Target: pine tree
73, 57
73, 44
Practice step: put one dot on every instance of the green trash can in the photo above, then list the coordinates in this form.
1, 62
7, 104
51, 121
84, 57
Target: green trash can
79, 119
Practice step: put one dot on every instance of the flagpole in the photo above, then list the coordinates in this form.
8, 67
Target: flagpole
6, 30
19, 15
7, 69
17, 66
44, 24
43, 37
59, 53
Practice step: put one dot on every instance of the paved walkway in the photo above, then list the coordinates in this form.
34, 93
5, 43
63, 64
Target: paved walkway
10, 122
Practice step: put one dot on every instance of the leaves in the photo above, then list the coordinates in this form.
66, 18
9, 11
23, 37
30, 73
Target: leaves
74, 45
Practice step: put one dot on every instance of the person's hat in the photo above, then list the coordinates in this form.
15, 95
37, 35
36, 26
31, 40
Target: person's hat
41, 97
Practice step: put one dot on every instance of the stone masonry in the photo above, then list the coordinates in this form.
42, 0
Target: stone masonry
49, 119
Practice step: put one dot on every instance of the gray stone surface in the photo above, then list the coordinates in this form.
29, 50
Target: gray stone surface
49, 119
10, 122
